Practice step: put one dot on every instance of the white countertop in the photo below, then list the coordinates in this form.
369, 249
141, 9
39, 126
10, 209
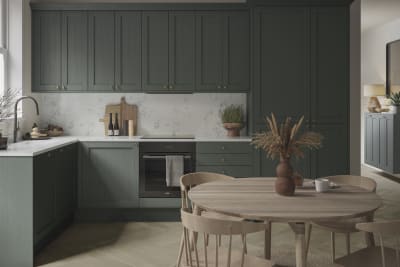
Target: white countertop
33, 148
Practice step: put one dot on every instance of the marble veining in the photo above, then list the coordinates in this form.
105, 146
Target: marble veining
197, 114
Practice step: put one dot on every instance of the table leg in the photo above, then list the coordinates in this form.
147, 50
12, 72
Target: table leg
369, 237
299, 229
267, 245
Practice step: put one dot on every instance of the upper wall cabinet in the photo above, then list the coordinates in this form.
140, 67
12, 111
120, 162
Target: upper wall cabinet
101, 51
59, 51
114, 51
168, 51
223, 51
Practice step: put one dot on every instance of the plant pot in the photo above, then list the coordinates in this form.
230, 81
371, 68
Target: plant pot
233, 128
284, 183
394, 109
3, 143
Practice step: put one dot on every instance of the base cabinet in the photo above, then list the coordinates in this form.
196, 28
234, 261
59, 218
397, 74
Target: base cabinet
54, 191
381, 142
229, 158
108, 175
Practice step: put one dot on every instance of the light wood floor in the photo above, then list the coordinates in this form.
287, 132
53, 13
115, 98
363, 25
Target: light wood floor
156, 244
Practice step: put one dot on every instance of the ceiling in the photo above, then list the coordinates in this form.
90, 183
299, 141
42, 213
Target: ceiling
378, 12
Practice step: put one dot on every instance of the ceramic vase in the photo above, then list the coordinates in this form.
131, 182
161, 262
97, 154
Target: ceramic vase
284, 183
233, 128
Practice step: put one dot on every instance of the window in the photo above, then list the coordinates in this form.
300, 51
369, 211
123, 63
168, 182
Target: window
3, 44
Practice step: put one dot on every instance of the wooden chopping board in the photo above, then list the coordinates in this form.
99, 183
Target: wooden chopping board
125, 112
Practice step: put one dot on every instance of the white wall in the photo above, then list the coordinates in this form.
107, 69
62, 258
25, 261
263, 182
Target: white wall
373, 60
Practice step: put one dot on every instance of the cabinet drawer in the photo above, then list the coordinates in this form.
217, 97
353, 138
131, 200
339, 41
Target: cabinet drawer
224, 147
224, 159
234, 171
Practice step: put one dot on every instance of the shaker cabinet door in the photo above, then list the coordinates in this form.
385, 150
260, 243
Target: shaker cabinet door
46, 51
386, 144
209, 55
236, 67
330, 65
282, 60
101, 51
128, 52
155, 51
74, 51
182, 45
108, 175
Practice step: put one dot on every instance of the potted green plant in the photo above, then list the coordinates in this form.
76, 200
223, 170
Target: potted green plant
6, 112
395, 98
285, 141
232, 119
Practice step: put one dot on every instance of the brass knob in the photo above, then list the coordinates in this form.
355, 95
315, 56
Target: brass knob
225, 86
222, 147
222, 160
165, 87
58, 87
171, 87
218, 86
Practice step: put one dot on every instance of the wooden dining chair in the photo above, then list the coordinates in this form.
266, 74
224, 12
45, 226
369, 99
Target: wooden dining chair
214, 256
345, 227
377, 255
190, 180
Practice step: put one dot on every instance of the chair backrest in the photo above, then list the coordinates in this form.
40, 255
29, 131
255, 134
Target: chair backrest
213, 227
391, 228
360, 181
190, 180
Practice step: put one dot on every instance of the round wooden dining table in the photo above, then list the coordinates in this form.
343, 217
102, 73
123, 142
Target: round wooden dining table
255, 199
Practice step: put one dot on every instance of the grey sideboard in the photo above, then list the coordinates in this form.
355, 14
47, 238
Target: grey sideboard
382, 141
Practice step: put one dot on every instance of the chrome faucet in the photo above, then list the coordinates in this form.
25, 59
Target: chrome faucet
16, 126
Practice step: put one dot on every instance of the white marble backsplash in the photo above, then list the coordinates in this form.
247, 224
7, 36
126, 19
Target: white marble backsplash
79, 113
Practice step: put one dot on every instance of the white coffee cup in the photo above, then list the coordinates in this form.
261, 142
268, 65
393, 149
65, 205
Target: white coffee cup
322, 185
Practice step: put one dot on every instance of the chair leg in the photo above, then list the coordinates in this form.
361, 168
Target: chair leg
244, 243
333, 244
267, 240
348, 243
219, 240
180, 251
308, 232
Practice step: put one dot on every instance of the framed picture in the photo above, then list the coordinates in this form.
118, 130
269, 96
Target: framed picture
393, 67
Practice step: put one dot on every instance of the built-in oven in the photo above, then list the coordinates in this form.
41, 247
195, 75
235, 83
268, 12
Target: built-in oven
152, 165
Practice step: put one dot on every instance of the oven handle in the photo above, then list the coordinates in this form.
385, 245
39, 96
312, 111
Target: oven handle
162, 157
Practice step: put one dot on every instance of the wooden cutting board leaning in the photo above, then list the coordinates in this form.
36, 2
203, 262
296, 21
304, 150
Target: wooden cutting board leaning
126, 113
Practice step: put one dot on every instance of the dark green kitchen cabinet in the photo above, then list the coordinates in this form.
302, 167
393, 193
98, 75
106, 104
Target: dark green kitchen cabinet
44, 194
330, 64
54, 187
223, 51
59, 52
46, 51
108, 175
168, 51
281, 62
230, 158
74, 51
101, 51
128, 51
155, 51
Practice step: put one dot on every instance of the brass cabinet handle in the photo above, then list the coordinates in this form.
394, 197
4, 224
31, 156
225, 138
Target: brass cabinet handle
165, 86
58, 87
222, 147
218, 86
225, 86
222, 160
171, 87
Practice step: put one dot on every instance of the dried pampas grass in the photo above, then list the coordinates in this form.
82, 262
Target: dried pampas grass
284, 141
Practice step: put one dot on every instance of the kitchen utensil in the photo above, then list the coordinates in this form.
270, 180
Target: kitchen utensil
125, 111
322, 185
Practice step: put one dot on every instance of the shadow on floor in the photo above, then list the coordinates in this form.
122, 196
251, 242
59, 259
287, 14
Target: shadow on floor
78, 239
